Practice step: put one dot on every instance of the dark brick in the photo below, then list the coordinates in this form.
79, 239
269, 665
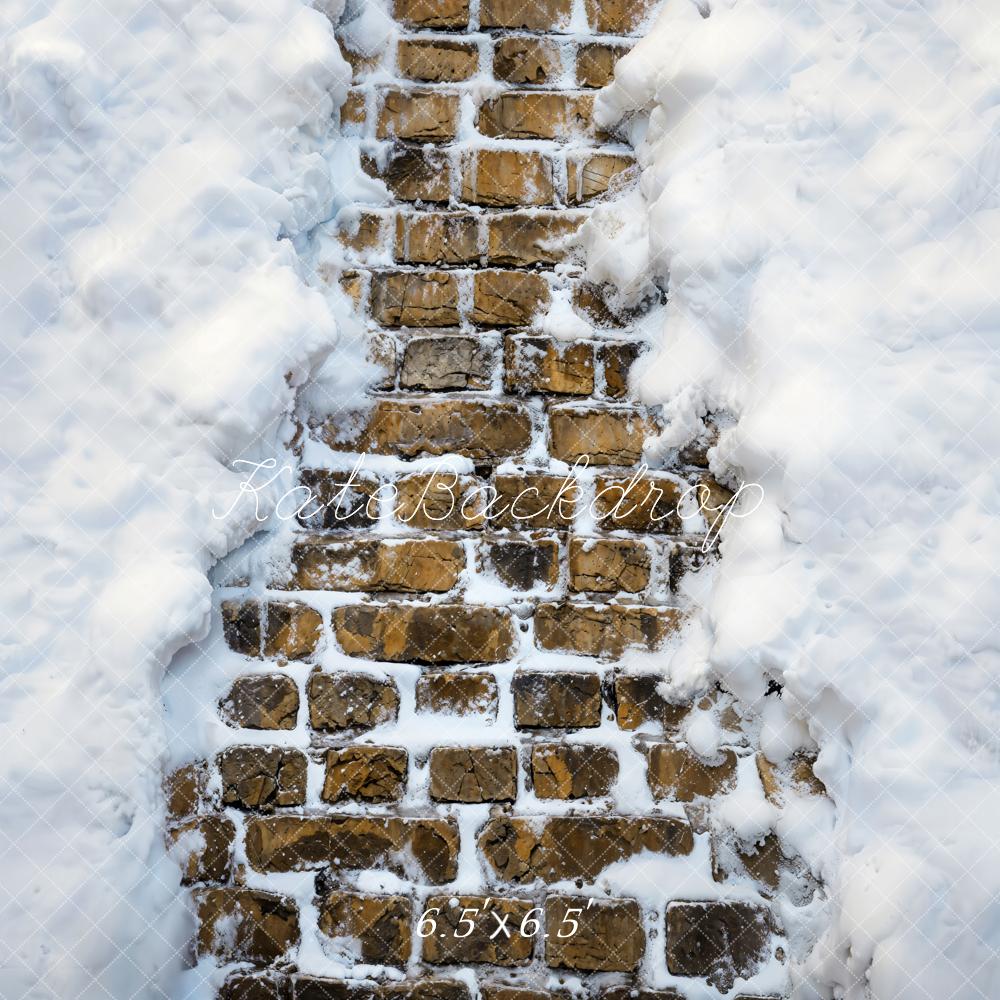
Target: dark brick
548, 699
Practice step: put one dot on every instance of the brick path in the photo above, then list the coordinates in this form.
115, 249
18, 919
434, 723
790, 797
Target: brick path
468, 710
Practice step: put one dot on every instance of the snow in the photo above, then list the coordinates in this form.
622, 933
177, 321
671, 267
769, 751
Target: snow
161, 166
818, 192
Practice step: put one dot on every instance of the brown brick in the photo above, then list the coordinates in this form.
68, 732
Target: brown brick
425, 989
283, 629
361, 232
607, 566
371, 774
533, 501
256, 777
418, 116
353, 111
595, 63
524, 563
321, 988
413, 174
261, 701
241, 986
184, 788
440, 363
572, 771
548, 699
473, 774
439, 633
603, 630
346, 701
527, 60
414, 298
507, 178
603, 436
533, 114
499, 991
203, 848
576, 847
595, 174
610, 937
544, 364
538, 15
380, 352
455, 942
618, 357
631, 993
617, 17
680, 775
379, 924
352, 284
521, 239
440, 501
647, 504
483, 432
246, 925
639, 703
797, 775
432, 60
327, 500
432, 13
717, 941
351, 843
508, 298
437, 238
454, 693
423, 565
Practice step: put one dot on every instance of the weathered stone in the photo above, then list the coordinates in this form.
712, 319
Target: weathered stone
508, 298
371, 774
595, 63
418, 116
453, 693
437, 238
292, 630
524, 563
246, 925
414, 298
241, 626
533, 501
424, 565
639, 703
379, 924
432, 13
456, 942
763, 862
413, 174
717, 941
473, 774
380, 352
796, 775
352, 284
495, 991
609, 937
538, 15
596, 174
533, 114
636, 993
648, 504
184, 788
678, 774
241, 986
437, 363
603, 630
261, 701
432, 60
576, 847
440, 501
618, 357
543, 364
321, 988
549, 699
481, 431
428, 847
256, 777
439, 633
608, 565
203, 848
341, 701
522, 239
361, 232
425, 989
526, 59
353, 111
685, 559
618, 17
572, 771
602, 436
327, 500
507, 178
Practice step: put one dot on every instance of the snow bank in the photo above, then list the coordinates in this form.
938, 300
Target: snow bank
820, 185
157, 161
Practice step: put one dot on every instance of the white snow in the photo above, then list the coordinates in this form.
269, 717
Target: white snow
820, 190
